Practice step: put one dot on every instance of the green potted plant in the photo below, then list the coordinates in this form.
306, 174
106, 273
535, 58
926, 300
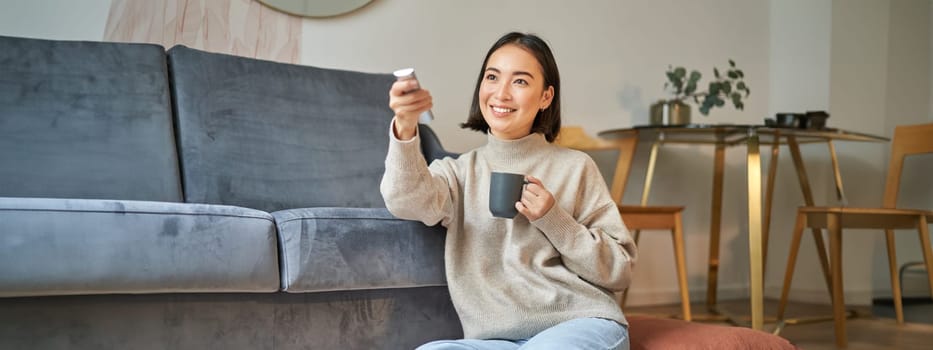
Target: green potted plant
683, 87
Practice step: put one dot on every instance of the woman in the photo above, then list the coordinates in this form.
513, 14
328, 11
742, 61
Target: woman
543, 280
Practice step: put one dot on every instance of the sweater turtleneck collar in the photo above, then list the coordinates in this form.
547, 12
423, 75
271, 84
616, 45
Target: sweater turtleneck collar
514, 151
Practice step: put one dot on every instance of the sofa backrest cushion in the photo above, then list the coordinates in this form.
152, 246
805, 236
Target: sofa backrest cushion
86, 120
274, 136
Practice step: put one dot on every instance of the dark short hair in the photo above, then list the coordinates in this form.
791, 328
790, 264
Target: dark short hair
546, 122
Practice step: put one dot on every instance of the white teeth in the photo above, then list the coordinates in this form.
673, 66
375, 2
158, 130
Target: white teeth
502, 110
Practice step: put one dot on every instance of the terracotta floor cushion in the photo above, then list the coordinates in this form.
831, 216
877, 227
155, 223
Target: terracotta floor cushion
670, 334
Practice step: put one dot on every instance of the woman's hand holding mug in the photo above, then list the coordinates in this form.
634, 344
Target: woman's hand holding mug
536, 200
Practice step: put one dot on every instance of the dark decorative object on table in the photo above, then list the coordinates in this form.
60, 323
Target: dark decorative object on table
808, 120
803, 121
787, 120
815, 119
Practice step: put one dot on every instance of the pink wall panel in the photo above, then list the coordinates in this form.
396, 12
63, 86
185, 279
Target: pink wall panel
239, 27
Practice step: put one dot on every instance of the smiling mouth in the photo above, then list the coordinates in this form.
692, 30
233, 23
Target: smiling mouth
502, 109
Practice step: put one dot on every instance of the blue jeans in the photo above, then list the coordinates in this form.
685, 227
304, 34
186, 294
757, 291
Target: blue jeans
581, 333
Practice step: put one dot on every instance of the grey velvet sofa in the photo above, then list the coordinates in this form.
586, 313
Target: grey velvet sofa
186, 199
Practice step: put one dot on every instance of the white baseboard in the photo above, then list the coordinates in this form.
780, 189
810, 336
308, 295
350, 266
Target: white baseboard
821, 296
642, 297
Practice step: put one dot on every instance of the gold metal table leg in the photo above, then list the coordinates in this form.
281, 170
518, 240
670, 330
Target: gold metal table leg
753, 174
649, 174
756, 278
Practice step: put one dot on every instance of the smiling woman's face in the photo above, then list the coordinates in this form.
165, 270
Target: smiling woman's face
512, 92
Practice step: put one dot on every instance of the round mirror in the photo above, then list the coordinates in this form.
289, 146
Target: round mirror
316, 8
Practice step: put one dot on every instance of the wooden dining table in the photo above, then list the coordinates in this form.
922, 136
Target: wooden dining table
722, 136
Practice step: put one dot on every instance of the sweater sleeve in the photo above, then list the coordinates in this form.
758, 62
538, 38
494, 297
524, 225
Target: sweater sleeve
409, 188
596, 245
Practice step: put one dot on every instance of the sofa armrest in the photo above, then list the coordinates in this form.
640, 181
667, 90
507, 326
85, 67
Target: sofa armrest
327, 249
431, 145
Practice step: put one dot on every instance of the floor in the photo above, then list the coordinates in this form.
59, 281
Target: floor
865, 331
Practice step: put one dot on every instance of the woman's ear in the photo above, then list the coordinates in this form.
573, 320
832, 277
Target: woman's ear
546, 98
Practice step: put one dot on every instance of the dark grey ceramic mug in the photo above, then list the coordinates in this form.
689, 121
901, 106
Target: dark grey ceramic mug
504, 190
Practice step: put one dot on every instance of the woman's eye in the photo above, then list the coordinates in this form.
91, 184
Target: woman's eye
491, 77
521, 82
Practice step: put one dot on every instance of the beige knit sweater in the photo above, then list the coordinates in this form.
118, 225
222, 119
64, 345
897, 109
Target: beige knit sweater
511, 278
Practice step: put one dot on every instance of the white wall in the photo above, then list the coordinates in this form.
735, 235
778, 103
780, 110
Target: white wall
908, 82
907, 102
800, 71
800, 48
54, 19
612, 54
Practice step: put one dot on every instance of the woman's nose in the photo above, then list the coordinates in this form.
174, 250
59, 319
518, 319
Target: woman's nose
503, 93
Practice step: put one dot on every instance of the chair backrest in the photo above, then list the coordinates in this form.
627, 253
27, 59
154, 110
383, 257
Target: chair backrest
908, 140
574, 137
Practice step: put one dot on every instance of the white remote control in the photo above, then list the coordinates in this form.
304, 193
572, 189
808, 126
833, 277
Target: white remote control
409, 73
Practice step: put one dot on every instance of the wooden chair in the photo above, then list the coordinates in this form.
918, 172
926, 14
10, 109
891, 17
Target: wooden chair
636, 217
908, 140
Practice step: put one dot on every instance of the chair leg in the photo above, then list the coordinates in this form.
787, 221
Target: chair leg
895, 278
625, 292
927, 250
791, 262
712, 275
677, 235
824, 260
835, 256
769, 202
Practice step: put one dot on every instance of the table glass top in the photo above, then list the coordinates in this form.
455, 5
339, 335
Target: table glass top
732, 134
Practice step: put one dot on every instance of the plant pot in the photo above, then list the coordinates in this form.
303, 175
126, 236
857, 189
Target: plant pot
672, 112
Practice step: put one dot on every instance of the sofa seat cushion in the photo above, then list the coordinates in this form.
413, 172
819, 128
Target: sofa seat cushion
326, 249
75, 246
670, 334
